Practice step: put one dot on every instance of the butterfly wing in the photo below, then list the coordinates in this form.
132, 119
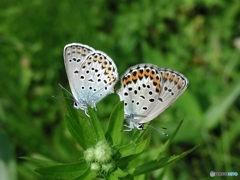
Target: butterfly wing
97, 77
74, 55
141, 86
174, 84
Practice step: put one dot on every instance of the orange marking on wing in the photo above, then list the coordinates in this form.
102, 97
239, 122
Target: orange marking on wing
165, 76
73, 49
111, 79
139, 74
125, 80
158, 88
180, 85
134, 77
90, 60
105, 66
78, 51
157, 82
100, 60
176, 80
171, 77
147, 72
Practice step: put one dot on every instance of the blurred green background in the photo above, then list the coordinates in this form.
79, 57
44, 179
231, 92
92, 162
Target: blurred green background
200, 39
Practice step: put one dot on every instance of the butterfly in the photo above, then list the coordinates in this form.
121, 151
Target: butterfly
147, 91
92, 74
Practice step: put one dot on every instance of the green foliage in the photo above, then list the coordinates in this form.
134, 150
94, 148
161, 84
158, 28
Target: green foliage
197, 38
105, 154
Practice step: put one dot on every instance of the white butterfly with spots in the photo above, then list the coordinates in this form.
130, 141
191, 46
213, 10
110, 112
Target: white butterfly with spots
92, 74
147, 91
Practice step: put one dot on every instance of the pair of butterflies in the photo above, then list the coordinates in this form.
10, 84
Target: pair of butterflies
146, 89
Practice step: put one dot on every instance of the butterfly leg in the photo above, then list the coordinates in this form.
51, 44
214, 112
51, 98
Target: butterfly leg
130, 127
86, 113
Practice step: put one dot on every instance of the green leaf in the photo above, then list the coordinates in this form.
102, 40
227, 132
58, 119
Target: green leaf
113, 177
120, 173
72, 112
219, 109
157, 164
169, 141
40, 162
96, 124
67, 171
115, 124
82, 133
88, 175
132, 150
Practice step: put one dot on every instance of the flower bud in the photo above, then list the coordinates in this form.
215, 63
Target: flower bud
89, 155
103, 152
95, 167
108, 167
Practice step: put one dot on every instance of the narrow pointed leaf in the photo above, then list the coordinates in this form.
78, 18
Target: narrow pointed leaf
67, 171
219, 109
40, 162
169, 141
132, 150
82, 133
96, 124
115, 124
157, 164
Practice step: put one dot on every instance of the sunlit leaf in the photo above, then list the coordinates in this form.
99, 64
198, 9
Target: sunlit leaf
115, 124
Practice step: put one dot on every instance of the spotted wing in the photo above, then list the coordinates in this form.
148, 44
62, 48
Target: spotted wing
74, 55
97, 76
141, 87
174, 84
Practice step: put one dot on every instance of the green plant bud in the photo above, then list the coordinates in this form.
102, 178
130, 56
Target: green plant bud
108, 167
95, 167
89, 155
103, 152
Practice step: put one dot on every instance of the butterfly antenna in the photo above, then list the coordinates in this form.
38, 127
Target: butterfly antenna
165, 134
62, 97
73, 99
65, 89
